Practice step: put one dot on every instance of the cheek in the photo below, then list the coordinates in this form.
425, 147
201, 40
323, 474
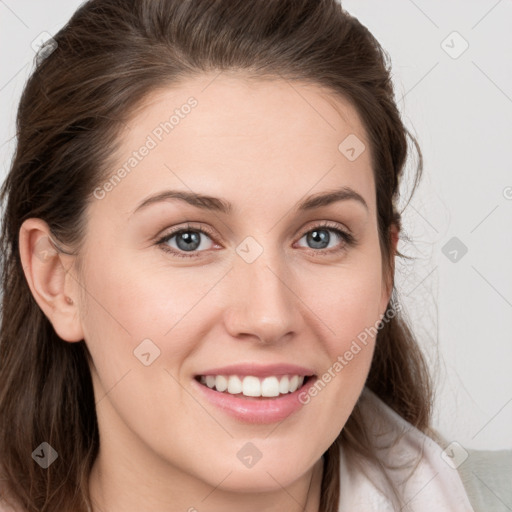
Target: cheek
129, 301
347, 300
347, 303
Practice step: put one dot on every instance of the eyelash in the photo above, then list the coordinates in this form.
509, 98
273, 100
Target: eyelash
349, 240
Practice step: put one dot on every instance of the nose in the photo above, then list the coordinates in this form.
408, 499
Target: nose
262, 303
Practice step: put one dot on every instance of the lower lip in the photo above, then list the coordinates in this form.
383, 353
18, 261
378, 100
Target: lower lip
256, 410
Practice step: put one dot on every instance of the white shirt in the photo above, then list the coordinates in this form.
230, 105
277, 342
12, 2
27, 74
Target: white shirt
435, 484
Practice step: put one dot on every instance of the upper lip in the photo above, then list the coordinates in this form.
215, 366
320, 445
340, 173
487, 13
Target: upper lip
259, 370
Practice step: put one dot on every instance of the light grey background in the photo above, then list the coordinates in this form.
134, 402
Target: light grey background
460, 109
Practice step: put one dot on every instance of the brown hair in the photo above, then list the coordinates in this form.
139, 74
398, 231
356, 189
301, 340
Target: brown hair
109, 57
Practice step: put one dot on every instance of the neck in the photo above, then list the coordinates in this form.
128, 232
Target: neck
117, 487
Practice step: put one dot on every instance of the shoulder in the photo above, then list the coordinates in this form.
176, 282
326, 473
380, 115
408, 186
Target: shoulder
485, 474
482, 479
487, 477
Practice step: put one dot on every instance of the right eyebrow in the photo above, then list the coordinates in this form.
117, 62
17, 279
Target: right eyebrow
211, 203
202, 201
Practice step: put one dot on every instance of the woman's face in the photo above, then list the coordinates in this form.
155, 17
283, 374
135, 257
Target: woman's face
262, 287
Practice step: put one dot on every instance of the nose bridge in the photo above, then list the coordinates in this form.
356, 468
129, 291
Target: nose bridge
262, 302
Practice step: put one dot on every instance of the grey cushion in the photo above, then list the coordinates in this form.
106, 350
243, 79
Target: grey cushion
487, 477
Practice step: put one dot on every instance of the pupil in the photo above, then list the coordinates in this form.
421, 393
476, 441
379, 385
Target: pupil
189, 238
319, 238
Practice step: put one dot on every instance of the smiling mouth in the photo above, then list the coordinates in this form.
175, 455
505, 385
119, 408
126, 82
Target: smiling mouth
251, 387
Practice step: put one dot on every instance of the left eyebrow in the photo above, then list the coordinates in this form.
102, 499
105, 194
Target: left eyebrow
327, 198
211, 203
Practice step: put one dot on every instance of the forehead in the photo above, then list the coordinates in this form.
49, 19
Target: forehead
230, 136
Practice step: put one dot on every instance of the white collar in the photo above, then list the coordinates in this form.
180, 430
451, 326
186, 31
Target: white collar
434, 485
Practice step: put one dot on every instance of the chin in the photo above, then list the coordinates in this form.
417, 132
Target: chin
264, 476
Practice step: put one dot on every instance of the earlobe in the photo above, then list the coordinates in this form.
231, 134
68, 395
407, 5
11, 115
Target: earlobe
52, 286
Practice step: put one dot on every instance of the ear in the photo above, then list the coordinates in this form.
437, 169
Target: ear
387, 287
53, 287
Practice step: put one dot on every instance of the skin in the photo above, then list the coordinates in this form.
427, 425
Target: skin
264, 146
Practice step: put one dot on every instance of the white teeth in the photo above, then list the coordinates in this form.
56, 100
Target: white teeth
253, 386
221, 383
234, 385
294, 383
284, 385
270, 386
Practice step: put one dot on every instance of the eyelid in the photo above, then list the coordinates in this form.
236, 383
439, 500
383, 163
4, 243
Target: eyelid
348, 238
343, 232
199, 227
326, 224
189, 226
